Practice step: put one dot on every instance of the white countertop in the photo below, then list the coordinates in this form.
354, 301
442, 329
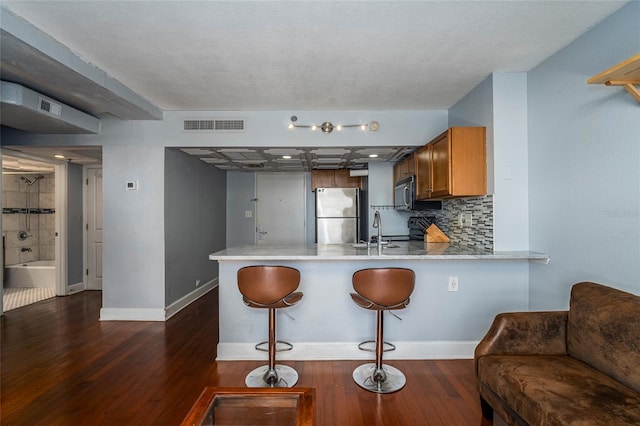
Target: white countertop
405, 250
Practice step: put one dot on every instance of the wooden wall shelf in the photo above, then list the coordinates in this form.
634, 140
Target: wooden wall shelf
626, 74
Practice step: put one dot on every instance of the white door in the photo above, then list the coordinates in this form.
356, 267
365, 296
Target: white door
94, 229
280, 208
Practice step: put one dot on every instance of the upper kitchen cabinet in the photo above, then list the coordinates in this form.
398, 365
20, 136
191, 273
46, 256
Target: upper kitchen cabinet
404, 169
453, 164
334, 179
424, 184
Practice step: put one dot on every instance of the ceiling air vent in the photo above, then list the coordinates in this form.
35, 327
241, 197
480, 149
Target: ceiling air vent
213, 126
49, 107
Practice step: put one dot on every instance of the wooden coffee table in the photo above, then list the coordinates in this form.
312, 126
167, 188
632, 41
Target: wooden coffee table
253, 406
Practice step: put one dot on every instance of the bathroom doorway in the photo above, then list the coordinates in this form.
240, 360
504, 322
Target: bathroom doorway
31, 207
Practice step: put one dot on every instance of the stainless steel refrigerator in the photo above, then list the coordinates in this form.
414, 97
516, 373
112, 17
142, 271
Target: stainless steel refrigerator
337, 215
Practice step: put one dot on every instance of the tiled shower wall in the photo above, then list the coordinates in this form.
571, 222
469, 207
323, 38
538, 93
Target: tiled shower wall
480, 233
41, 238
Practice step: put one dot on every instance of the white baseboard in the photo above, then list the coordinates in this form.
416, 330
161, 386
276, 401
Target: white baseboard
160, 314
75, 288
349, 350
131, 314
184, 301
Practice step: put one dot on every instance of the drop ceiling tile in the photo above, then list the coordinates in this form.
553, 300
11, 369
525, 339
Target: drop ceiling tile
196, 151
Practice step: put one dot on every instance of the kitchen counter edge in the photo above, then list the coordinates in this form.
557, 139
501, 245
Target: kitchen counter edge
403, 251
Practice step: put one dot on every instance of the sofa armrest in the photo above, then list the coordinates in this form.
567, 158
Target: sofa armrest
525, 333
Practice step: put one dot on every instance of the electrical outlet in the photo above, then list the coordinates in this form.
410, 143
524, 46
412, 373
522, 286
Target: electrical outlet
465, 220
197, 282
248, 213
453, 283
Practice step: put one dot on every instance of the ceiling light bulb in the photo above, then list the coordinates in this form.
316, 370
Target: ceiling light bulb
373, 155
291, 125
363, 127
286, 157
339, 127
60, 156
314, 127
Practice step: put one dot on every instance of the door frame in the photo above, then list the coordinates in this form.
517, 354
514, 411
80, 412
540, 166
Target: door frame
85, 214
256, 215
61, 222
61, 229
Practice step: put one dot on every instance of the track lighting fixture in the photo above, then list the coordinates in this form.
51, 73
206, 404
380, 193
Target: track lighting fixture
328, 127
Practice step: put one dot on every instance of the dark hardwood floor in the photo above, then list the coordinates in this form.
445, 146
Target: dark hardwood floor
61, 366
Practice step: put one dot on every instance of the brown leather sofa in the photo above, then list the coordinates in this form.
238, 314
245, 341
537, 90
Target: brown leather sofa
575, 367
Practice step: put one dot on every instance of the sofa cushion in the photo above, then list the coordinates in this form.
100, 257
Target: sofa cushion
558, 390
603, 330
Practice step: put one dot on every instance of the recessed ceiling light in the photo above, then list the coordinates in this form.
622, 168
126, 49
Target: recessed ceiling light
373, 155
286, 157
59, 156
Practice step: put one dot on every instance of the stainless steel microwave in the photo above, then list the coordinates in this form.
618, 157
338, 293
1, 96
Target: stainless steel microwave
405, 197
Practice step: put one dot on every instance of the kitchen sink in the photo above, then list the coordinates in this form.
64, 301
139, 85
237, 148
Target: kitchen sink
373, 245
359, 245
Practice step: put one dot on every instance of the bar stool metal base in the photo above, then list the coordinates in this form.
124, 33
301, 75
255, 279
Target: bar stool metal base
283, 377
281, 346
363, 346
364, 377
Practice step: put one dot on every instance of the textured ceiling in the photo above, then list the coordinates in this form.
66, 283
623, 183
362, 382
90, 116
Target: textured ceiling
132, 59
310, 55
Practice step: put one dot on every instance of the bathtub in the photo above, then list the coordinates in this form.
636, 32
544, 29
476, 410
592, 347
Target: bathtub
39, 273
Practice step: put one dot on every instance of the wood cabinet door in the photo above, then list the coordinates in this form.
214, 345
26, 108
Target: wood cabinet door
322, 179
334, 179
468, 161
411, 165
441, 166
397, 172
404, 169
423, 172
343, 179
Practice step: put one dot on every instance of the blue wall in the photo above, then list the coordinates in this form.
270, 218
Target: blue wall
499, 103
194, 222
584, 166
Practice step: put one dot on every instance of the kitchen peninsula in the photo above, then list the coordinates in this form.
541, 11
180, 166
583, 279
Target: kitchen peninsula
326, 324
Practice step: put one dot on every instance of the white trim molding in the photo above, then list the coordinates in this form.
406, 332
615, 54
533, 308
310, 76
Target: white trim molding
132, 314
186, 300
308, 351
154, 314
75, 288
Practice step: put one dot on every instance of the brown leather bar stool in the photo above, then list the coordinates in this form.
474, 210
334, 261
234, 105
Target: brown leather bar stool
270, 287
381, 289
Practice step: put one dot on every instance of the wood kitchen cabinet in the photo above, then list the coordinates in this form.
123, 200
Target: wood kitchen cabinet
423, 183
453, 164
404, 168
334, 179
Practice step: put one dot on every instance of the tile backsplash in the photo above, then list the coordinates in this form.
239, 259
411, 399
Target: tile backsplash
479, 234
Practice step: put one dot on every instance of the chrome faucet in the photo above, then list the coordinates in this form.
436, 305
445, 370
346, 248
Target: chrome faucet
377, 223
23, 249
